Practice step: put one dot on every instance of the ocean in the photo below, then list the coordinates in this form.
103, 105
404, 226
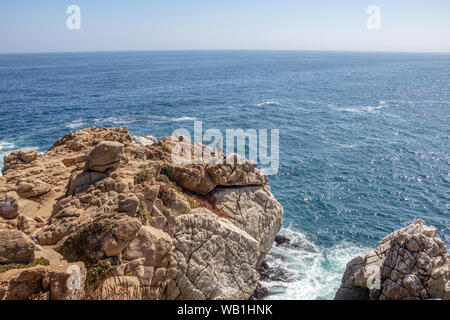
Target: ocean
364, 137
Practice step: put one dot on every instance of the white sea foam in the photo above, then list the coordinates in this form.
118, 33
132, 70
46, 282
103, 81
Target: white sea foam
314, 272
114, 120
183, 119
78, 123
264, 103
5, 145
347, 146
365, 109
75, 124
167, 119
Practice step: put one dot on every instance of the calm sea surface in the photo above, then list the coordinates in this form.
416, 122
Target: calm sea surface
364, 137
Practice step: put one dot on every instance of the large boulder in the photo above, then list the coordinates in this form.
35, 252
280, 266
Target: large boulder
216, 259
15, 247
119, 288
151, 260
19, 159
151, 244
193, 177
254, 210
236, 171
27, 155
9, 207
129, 205
206, 169
29, 188
410, 263
106, 236
81, 182
105, 155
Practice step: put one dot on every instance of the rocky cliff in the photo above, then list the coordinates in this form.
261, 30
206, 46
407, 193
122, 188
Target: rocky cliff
102, 215
410, 263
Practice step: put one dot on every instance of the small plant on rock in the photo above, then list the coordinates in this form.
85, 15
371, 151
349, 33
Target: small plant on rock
142, 175
39, 261
146, 216
165, 169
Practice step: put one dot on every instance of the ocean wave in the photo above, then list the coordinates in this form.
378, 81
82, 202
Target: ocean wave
79, 123
347, 146
270, 103
315, 272
167, 119
75, 124
365, 109
183, 119
114, 120
6, 145
6, 148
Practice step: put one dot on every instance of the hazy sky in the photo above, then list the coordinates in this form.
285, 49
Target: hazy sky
40, 26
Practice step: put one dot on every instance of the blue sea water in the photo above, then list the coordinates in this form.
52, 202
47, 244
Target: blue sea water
364, 137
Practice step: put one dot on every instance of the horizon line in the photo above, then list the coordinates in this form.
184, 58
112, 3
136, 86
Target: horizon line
216, 50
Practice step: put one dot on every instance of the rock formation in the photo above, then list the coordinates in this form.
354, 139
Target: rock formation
410, 263
130, 222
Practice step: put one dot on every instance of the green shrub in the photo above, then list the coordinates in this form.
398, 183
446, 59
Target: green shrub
165, 169
142, 175
79, 247
146, 216
39, 261
192, 202
98, 272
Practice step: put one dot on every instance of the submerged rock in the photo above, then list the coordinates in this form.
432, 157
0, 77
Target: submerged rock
410, 263
260, 292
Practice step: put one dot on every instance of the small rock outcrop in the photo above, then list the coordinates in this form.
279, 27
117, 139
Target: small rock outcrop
15, 247
9, 207
105, 155
254, 210
42, 283
230, 254
137, 224
410, 263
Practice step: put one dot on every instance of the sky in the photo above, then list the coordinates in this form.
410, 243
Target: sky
40, 25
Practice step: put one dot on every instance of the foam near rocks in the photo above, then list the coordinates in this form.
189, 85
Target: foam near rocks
303, 270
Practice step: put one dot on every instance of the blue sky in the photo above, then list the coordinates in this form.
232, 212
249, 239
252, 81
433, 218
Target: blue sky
40, 26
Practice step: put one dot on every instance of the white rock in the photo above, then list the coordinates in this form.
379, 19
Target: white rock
140, 141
